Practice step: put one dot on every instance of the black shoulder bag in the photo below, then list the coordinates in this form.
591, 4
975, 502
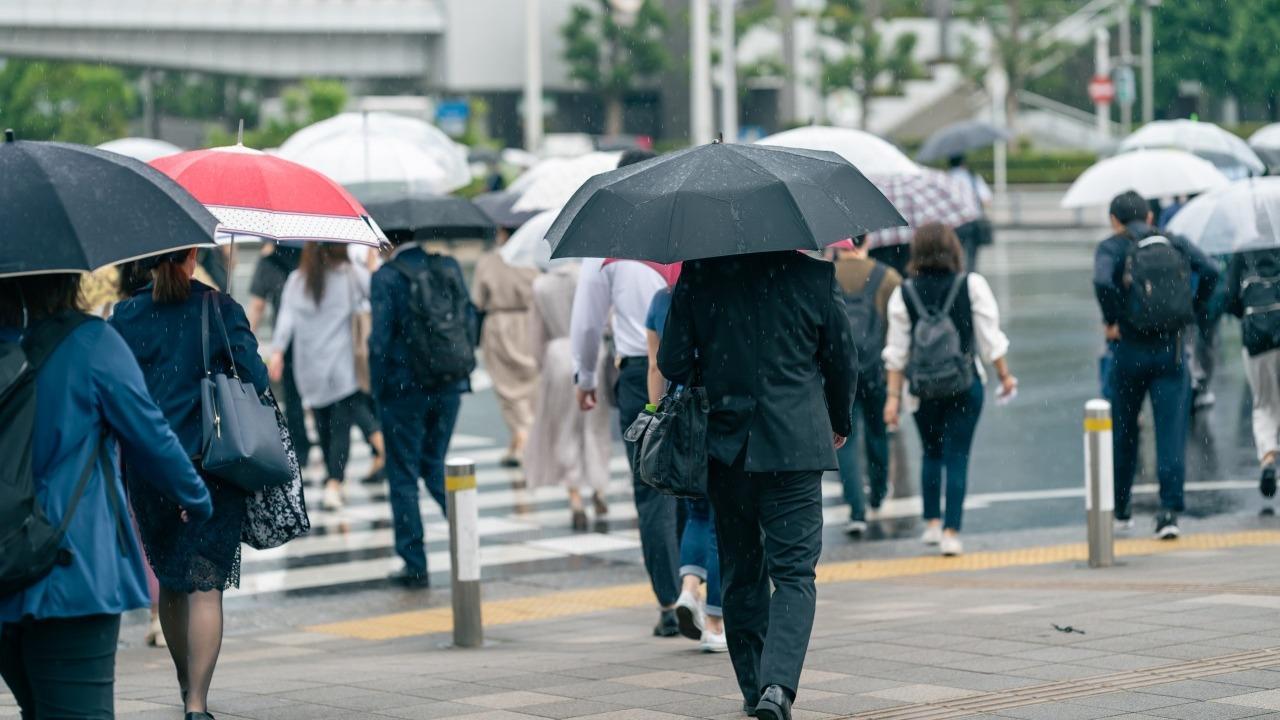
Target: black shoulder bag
671, 443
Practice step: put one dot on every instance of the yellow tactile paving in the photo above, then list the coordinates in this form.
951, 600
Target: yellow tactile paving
581, 602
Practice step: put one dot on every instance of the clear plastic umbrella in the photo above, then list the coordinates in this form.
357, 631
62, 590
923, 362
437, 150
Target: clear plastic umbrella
1243, 216
1267, 137
1201, 138
872, 155
528, 246
551, 183
1151, 173
138, 148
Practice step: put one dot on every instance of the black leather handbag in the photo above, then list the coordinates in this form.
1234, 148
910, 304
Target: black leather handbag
671, 443
241, 443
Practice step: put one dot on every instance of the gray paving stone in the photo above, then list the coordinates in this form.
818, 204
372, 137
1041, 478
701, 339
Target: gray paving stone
1206, 711
1058, 711
1195, 689
1265, 699
574, 708
1130, 701
429, 711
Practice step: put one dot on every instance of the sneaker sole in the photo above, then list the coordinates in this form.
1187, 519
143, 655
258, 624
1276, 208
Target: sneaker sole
686, 620
1168, 534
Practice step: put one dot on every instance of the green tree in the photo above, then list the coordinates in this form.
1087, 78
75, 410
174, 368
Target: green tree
1253, 68
70, 102
610, 57
1017, 28
310, 102
870, 67
1191, 44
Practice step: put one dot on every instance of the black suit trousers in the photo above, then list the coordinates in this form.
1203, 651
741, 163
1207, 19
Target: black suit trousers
770, 531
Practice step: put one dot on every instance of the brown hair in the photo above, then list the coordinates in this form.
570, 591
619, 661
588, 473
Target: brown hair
41, 296
935, 247
317, 260
172, 283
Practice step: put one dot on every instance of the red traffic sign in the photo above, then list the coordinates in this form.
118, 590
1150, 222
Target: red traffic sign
1101, 90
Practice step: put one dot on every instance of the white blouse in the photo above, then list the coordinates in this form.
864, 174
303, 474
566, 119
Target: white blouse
992, 343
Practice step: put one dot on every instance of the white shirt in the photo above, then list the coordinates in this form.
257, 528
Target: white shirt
323, 358
973, 184
628, 288
992, 344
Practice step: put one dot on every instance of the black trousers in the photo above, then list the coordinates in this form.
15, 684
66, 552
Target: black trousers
770, 531
659, 525
61, 668
294, 414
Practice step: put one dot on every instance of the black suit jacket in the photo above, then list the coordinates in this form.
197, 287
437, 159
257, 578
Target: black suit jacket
770, 335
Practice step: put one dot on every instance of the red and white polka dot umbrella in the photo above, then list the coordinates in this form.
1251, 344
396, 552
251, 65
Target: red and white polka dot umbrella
252, 193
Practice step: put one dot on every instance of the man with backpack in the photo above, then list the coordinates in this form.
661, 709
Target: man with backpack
421, 354
1143, 282
1253, 295
867, 285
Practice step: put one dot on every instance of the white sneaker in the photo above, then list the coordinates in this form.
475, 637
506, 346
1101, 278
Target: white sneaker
856, 528
332, 497
932, 535
951, 545
1124, 526
873, 514
689, 614
714, 642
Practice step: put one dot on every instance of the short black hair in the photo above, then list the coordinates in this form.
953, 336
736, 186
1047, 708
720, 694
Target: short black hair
631, 157
1129, 207
955, 161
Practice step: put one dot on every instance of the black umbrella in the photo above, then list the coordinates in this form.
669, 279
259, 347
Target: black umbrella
499, 206
715, 200
959, 138
428, 216
71, 208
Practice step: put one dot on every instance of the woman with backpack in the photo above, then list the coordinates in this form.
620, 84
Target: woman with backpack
317, 310
59, 627
1253, 295
944, 325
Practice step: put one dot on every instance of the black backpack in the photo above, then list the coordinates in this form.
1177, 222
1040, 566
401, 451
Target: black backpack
1158, 280
441, 323
30, 546
939, 367
1260, 296
867, 326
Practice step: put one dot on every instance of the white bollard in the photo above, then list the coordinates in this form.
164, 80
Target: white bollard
464, 551
1099, 483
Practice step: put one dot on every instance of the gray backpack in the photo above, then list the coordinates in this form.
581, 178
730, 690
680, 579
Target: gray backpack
939, 366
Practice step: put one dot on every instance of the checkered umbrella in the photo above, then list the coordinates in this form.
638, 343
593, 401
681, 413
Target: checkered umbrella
929, 197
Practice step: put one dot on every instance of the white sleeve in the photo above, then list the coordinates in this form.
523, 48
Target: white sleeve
897, 344
993, 344
586, 327
286, 314
984, 191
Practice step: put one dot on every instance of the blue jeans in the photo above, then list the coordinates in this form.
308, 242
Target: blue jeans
946, 428
1157, 369
417, 427
699, 553
868, 403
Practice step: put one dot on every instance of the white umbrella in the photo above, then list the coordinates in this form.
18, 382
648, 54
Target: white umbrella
1201, 138
551, 183
138, 148
528, 246
381, 149
1245, 215
1268, 136
1151, 173
870, 154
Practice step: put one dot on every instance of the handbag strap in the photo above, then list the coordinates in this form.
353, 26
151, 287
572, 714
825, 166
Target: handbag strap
204, 334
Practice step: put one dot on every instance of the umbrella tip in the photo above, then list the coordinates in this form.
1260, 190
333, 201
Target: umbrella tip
8, 135
240, 133
719, 139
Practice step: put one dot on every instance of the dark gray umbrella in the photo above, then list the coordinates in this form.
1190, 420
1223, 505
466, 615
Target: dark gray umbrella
428, 216
959, 138
500, 207
716, 200
71, 208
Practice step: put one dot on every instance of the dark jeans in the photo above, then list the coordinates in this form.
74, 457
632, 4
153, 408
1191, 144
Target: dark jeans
294, 415
895, 256
770, 528
658, 513
333, 425
61, 668
699, 551
416, 428
868, 405
946, 430
1155, 369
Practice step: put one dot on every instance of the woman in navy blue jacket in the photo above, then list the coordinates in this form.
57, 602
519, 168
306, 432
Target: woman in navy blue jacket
58, 644
161, 324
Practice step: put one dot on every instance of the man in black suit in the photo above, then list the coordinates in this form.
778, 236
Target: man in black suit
769, 335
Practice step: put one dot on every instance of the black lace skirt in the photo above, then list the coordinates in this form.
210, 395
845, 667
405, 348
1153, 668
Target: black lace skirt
194, 556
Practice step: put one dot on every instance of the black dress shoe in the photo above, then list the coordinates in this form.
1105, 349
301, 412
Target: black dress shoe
668, 624
406, 578
748, 708
198, 716
774, 704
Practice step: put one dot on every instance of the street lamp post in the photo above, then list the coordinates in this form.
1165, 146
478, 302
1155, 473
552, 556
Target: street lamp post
700, 72
728, 73
1148, 68
532, 76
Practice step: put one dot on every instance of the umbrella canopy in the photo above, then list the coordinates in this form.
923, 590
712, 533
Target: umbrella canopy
959, 138
550, 184
144, 149
872, 155
716, 200
429, 216
71, 208
1151, 173
500, 208
932, 196
528, 247
1243, 216
380, 148
252, 193
1200, 138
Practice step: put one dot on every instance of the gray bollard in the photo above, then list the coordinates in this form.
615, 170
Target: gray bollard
464, 551
1099, 483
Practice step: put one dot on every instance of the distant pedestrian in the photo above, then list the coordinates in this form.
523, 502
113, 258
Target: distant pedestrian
58, 635
973, 235
867, 286
1143, 282
317, 307
266, 289
1253, 295
623, 291
566, 446
944, 326
194, 562
770, 338
421, 354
